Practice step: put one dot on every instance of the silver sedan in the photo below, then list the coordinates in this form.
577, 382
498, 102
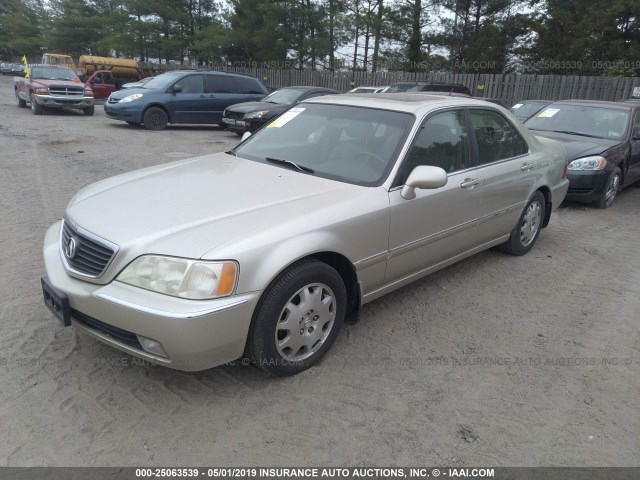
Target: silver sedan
265, 250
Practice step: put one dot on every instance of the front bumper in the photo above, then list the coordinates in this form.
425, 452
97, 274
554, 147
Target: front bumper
196, 335
586, 186
125, 112
64, 102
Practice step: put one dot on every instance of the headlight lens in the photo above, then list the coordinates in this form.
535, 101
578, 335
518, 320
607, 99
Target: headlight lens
256, 114
588, 163
88, 93
42, 91
132, 98
181, 277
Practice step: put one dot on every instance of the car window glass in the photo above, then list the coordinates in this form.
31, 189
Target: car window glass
221, 84
313, 94
249, 85
442, 142
496, 137
636, 126
191, 84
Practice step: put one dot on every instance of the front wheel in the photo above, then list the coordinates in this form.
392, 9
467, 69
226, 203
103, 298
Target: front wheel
610, 189
155, 119
89, 111
36, 108
524, 235
298, 319
20, 102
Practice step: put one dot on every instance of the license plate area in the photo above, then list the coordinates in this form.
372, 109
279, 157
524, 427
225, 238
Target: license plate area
56, 301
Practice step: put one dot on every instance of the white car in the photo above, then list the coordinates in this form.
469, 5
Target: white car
264, 250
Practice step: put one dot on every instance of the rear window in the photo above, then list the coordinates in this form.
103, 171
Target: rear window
221, 84
249, 85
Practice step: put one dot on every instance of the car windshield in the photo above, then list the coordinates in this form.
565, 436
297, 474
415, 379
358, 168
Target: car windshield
163, 80
403, 88
525, 110
286, 96
53, 73
346, 143
590, 121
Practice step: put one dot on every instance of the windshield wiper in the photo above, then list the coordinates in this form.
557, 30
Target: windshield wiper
231, 152
577, 133
300, 168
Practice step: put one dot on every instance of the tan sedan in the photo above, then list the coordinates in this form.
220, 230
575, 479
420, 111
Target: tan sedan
263, 251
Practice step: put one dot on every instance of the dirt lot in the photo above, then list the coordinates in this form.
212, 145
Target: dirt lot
494, 361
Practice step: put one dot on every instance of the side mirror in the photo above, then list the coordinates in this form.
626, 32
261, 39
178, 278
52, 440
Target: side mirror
176, 89
423, 176
245, 135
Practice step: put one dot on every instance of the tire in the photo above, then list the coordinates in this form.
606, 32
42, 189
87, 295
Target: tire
89, 111
36, 108
610, 189
20, 102
526, 232
155, 119
238, 133
298, 319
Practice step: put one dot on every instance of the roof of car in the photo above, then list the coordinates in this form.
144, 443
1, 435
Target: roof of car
315, 89
404, 102
187, 70
596, 103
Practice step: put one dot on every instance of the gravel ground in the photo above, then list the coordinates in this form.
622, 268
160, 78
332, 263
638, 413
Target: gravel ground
497, 360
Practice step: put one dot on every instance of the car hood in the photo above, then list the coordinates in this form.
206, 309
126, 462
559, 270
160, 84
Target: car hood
247, 107
120, 94
63, 83
578, 146
191, 207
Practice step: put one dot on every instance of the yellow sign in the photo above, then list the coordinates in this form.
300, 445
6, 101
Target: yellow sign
26, 67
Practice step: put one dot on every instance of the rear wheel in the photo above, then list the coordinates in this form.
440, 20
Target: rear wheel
89, 111
610, 190
20, 102
155, 119
298, 319
524, 235
36, 108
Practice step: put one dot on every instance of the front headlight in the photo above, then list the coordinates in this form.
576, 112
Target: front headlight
181, 277
42, 91
588, 163
132, 98
260, 114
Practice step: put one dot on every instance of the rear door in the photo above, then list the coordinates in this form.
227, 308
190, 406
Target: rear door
221, 92
507, 168
102, 85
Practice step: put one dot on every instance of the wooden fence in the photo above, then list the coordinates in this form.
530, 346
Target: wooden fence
509, 88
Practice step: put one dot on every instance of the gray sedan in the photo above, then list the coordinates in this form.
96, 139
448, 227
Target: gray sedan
265, 250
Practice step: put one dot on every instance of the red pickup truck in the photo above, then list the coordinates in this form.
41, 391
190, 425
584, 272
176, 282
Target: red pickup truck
52, 86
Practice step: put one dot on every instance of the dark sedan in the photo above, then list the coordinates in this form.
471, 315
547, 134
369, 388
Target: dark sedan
250, 116
526, 109
602, 140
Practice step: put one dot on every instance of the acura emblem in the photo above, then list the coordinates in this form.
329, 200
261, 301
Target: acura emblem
70, 248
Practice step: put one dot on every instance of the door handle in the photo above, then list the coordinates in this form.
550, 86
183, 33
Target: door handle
470, 182
526, 166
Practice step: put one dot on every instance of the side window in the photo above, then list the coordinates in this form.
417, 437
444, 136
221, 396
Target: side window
636, 127
442, 142
496, 137
191, 84
249, 85
313, 94
221, 84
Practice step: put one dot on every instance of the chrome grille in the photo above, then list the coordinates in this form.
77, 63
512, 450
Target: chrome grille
63, 91
91, 255
235, 115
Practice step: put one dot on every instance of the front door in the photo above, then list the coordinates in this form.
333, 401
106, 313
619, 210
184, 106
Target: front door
438, 224
188, 105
